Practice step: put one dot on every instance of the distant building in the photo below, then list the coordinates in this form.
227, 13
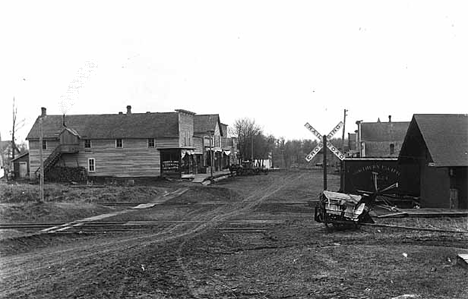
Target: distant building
438, 145
352, 142
379, 139
212, 142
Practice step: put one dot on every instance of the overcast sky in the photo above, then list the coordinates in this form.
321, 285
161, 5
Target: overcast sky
281, 63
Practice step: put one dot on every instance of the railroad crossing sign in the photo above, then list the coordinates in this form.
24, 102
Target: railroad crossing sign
330, 146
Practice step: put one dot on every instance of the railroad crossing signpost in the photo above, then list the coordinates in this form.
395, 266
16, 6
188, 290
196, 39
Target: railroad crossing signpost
324, 140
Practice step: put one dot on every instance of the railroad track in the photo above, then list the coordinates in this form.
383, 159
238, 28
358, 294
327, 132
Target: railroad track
100, 226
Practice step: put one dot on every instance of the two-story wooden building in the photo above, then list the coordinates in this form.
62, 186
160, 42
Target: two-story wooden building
380, 139
116, 145
208, 135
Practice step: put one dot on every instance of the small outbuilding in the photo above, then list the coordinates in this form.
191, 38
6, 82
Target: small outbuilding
438, 145
20, 166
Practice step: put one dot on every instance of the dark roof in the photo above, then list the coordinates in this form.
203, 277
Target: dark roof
203, 123
384, 131
111, 126
444, 135
20, 156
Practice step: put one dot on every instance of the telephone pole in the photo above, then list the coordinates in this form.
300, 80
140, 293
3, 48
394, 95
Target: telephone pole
344, 130
342, 148
41, 158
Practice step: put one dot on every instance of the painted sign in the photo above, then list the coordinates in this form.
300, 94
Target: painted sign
315, 132
335, 151
335, 129
332, 148
314, 152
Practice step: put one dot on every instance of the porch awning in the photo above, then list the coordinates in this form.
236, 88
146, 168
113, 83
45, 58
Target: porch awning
184, 152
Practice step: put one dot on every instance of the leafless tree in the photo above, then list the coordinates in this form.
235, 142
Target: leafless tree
15, 127
245, 129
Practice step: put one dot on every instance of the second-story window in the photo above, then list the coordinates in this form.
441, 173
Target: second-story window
150, 142
392, 149
44, 144
87, 143
119, 143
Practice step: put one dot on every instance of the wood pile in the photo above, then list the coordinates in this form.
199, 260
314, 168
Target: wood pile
66, 174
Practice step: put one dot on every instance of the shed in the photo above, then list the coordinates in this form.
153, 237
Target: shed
438, 145
20, 166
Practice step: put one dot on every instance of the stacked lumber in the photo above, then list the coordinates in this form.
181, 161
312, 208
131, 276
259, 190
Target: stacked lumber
66, 174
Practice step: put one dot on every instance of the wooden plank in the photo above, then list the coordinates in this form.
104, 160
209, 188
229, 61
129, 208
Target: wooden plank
430, 213
462, 260
394, 215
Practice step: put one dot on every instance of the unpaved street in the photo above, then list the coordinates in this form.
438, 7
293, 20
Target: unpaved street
245, 237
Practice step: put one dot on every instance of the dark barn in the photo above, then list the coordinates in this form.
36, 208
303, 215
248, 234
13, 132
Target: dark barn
438, 145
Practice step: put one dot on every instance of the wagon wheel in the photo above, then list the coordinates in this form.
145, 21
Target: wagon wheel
326, 220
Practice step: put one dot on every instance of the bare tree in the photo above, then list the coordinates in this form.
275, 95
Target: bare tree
15, 127
245, 129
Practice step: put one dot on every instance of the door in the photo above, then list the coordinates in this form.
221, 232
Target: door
23, 169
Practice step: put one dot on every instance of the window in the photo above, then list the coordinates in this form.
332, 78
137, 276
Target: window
87, 143
44, 144
91, 165
392, 149
118, 143
150, 142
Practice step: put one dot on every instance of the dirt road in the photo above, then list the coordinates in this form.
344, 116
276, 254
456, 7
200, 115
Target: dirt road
77, 267
246, 237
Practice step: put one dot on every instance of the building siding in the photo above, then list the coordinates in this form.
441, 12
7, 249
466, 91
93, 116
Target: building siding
134, 159
382, 148
185, 129
34, 157
435, 187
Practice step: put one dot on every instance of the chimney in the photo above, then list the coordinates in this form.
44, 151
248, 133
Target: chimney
129, 109
389, 118
43, 111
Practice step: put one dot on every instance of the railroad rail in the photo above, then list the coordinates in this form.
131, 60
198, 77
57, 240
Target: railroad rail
101, 226
415, 228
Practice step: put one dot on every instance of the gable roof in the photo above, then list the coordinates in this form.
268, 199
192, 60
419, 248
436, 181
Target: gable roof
71, 131
20, 156
444, 135
384, 131
203, 123
110, 126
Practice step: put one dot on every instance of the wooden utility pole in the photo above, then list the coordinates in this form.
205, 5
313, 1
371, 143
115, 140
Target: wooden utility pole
325, 163
41, 173
342, 170
344, 130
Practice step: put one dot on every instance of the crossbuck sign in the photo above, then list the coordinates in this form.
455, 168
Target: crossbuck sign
330, 146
